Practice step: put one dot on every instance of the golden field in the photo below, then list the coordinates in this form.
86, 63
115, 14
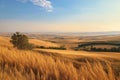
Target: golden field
45, 64
42, 43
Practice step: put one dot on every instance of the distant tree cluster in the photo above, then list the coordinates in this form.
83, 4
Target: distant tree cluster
98, 43
113, 49
20, 41
83, 46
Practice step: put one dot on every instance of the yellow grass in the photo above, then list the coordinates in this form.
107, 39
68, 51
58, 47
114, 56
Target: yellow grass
5, 42
83, 53
28, 65
31, 65
43, 43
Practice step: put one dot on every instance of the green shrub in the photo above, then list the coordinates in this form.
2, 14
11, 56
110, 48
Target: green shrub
42, 47
20, 41
57, 48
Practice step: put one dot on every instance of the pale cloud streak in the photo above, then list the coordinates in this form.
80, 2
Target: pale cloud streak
42, 3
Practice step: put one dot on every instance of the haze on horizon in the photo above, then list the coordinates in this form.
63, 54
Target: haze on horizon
59, 15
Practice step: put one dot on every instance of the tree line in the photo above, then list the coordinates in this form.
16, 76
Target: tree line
113, 49
93, 48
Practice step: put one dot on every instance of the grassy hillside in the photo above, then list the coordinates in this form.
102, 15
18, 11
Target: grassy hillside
42, 43
42, 65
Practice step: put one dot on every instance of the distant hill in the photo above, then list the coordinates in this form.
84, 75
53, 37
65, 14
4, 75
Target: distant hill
112, 33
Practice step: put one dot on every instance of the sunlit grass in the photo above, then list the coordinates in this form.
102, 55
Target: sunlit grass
31, 65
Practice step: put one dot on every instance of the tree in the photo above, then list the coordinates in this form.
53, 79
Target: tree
20, 41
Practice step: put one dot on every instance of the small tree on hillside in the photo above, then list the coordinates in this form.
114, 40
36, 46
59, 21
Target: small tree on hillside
20, 41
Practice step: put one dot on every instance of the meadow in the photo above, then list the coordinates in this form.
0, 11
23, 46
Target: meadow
47, 64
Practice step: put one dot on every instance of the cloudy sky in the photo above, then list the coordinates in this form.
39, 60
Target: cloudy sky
59, 15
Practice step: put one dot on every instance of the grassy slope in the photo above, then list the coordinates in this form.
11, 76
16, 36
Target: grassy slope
114, 55
41, 65
42, 43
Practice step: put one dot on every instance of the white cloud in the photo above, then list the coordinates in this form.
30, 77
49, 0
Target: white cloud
42, 3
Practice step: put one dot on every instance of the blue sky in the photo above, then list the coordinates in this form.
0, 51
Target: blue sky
59, 15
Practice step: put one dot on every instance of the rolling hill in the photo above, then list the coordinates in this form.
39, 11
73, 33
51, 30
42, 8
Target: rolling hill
56, 65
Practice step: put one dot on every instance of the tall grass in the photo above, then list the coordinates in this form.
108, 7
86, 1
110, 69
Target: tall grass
29, 65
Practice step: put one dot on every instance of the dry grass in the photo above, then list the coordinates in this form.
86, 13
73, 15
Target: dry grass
43, 43
31, 65
28, 65
4, 41
114, 55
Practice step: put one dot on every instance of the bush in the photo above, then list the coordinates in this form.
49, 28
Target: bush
42, 47
58, 48
20, 41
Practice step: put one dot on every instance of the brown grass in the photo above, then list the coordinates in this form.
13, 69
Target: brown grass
31, 65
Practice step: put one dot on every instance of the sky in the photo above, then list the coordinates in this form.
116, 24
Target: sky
59, 15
